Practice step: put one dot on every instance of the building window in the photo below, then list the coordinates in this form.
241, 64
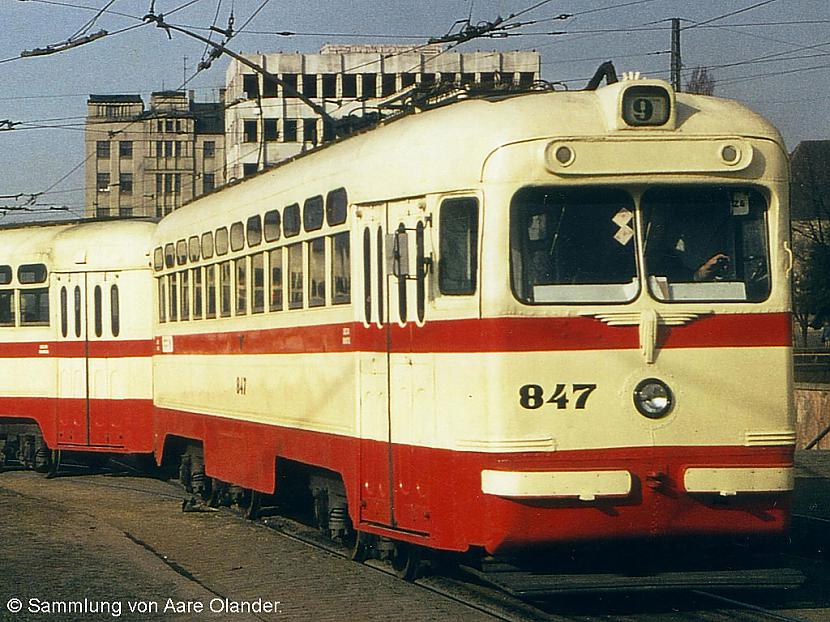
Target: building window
289, 130
102, 182
125, 211
249, 169
168, 125
427, 78
178, 126
388, 84
269, 87
349, 85
329, 85
526, 78
159, 126
158, 184
177, 183
269, 128
310, 85
250, 84
168, 148
208, 182
209, 149
125, 149
178, 148
249, 131
168, 183
310, 131
370, 86
290, 80
125, 183
407, 79
102, 149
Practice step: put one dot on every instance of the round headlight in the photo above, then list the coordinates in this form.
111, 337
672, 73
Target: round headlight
653, 398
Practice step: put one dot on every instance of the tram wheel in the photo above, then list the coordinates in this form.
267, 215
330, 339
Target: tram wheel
361, 546
54, 464
406, 561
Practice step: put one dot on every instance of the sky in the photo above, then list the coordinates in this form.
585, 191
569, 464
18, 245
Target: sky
773, 55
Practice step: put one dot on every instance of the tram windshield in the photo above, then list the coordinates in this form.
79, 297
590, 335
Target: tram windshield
580, 245
705, 244
573, 245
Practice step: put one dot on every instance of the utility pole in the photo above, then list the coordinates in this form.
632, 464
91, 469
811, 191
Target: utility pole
675, 54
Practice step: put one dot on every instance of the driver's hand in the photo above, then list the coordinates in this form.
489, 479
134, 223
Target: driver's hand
711, 268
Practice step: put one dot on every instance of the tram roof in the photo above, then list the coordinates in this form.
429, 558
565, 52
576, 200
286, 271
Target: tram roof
444, 148
78, 245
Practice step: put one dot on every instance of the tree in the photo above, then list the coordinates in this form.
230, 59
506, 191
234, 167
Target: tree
810, 216
701, 82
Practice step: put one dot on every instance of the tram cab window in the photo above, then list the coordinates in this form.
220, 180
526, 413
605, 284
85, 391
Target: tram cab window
706, 243
572, 245
458, 260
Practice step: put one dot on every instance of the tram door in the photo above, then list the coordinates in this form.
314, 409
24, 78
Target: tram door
397, 381
87, 381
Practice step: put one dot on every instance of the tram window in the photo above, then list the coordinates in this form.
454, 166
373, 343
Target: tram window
5, 275
210, 291
275, 261
6, 307
172, 283
28, 274
98, 311
77, 301
341, 273
458, 260
291, 220
237, 236
317, 272
313, 213
162, 288
181, 252
380, 274
420, 272
115, 311
64, 313
572, 245
258, 283
367, 274
196, 275
295, 276
184, 288
193, 248
169, 255
706, 243
221, 241
336, 203
253, 231
34, 307
272, 226
402, 302
241, 266
158, 259
207, 245
225, 288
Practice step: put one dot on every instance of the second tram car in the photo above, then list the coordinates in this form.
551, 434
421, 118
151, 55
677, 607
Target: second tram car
75, 339
505, 322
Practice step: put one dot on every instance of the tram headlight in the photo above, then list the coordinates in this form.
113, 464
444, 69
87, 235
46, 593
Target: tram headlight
653, 398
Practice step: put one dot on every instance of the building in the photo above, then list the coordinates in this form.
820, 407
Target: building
148, 162
264, 124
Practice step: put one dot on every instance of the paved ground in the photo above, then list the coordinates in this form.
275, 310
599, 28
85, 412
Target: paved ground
84, 548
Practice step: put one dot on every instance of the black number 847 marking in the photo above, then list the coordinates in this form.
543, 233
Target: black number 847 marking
532, 396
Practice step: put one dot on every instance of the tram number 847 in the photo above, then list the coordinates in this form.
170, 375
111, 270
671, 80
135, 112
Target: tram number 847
532, 396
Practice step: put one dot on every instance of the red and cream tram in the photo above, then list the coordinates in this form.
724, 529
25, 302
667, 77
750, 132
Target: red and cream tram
501, 323
75, 339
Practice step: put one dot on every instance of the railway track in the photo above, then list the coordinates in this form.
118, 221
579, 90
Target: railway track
460, 586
